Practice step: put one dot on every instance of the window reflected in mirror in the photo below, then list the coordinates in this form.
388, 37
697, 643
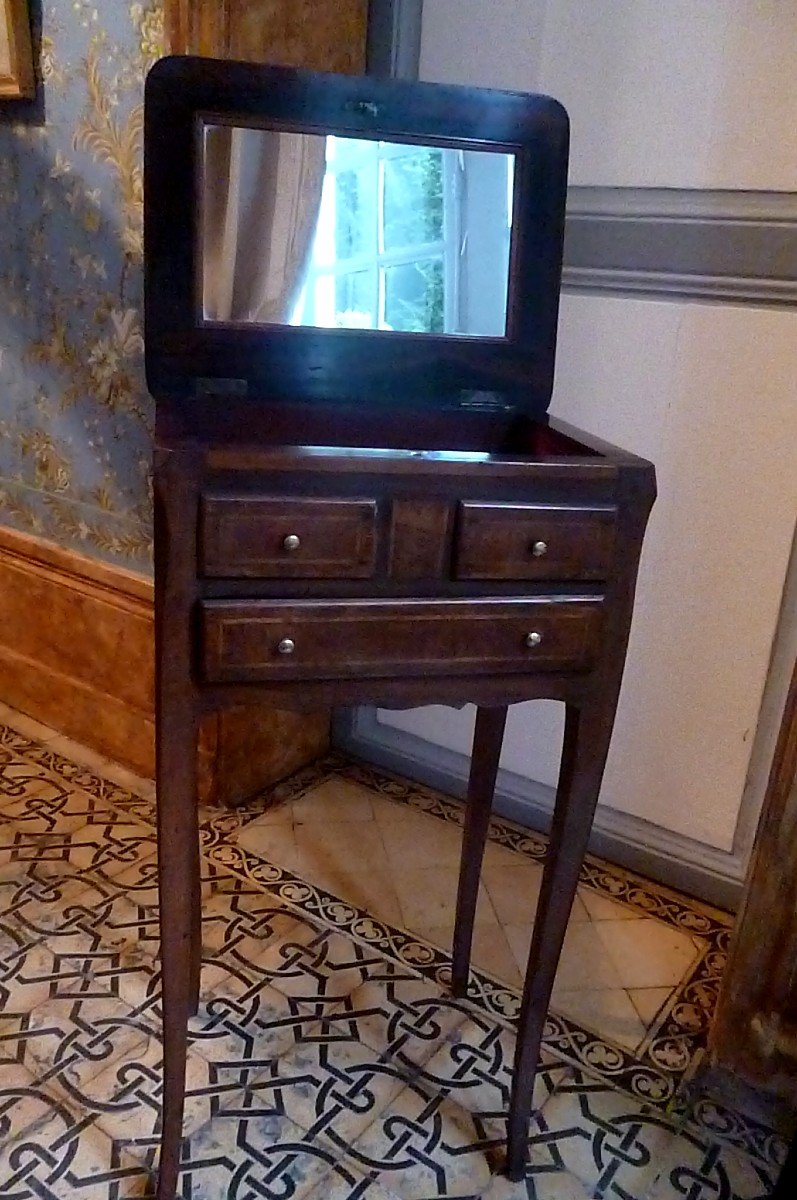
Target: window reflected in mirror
353, 233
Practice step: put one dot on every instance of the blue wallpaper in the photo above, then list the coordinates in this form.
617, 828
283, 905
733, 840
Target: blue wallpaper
75, 417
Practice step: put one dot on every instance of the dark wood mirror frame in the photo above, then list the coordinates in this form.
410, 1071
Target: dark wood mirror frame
186, 356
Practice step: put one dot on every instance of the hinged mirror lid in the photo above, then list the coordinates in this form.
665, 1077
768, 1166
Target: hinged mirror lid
334, 238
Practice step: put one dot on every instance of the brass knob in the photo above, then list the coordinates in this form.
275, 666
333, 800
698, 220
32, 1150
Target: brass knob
291, 542
286, 646
533, 639
538, 549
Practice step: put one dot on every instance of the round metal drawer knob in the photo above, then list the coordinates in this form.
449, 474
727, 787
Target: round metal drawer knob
286, 646
533, 639
291, 542
538, 549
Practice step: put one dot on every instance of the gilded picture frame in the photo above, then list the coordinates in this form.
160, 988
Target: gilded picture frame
17, 78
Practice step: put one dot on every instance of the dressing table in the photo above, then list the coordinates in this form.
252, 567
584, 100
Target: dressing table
360, 497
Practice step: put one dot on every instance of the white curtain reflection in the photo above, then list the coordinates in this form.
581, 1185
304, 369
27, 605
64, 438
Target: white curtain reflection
262, 196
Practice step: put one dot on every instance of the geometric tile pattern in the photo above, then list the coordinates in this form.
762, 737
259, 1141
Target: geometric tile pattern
651, 1065
328, 1061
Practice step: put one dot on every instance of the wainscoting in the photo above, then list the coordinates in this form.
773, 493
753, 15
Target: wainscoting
76, 653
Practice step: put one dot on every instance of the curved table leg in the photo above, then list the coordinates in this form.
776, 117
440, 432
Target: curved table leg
488, 736
586, 743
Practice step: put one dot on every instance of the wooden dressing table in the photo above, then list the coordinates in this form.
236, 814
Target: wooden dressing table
360, 516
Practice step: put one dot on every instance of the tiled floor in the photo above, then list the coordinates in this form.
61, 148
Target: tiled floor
328, 1060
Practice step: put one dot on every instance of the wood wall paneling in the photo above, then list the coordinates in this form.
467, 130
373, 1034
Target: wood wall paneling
755, 1030
77, 653
323, 35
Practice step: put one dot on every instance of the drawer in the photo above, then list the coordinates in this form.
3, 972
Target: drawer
271, 537
528, 541
284, 640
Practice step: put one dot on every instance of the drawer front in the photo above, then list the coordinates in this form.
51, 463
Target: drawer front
526, 541
281, 640
277, 537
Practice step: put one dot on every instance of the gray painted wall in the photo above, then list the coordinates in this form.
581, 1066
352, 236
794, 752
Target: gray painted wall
718, 246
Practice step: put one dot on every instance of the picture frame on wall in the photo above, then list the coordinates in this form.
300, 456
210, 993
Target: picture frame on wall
17, 77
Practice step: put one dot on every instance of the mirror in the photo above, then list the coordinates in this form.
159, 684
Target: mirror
353, 233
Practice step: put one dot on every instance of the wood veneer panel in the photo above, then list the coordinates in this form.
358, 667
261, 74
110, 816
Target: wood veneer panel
755, 1029
77, 653
324, 35
243, 640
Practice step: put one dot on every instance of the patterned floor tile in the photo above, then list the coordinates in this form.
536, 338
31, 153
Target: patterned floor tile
24, 1103
558, 1185
424, 1145
347, 1184
647, 953
106, 844
30, 793
328, 1061
67, 1158
594, 1016
253, 1027
697, 1169
611, 1144
73, 971
251, 1153
52, 901
329, 1084
241, 923
321, 853
606, 1011
33, 896
474, 1067
37, 801
126, 1098
712, 1120
105, 781
68, 1042
311, 963
405, 1018
121, 910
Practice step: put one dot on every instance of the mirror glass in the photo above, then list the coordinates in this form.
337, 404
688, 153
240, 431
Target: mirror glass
352, 233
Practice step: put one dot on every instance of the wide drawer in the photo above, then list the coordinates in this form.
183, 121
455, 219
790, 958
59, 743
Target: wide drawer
527, 541
283, 640
278, 537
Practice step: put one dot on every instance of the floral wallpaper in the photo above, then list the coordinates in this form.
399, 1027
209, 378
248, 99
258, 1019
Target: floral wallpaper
75, 417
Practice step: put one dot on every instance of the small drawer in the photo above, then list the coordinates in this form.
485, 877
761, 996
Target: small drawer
275, 537
528, 541
261, 640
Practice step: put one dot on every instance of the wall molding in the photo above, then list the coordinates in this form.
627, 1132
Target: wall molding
394, 38
77, 654
628, 841
720, 245
75, 647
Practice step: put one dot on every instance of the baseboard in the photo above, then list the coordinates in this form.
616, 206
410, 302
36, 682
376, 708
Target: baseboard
76, 640
628, 841
77, 654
